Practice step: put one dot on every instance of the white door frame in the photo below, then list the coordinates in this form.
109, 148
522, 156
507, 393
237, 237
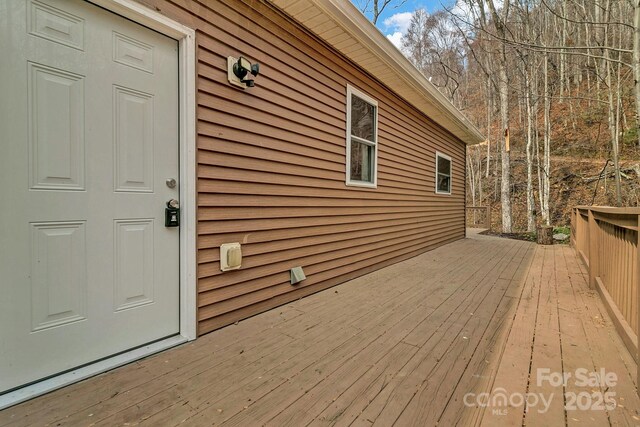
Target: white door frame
187, 152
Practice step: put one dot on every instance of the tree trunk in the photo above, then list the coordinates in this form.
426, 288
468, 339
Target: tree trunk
531, 218
471, 188
505, 187
546, 167
563, 58
545, 235
489, 106
500, 21
636, 61
613, 133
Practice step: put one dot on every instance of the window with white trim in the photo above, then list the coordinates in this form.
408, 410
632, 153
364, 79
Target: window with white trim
362, 139
443, 174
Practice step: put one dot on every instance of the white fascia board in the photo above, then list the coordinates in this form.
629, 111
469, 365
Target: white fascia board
408, 82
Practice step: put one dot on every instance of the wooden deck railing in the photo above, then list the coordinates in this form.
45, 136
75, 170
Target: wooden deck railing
479, 217
606, 239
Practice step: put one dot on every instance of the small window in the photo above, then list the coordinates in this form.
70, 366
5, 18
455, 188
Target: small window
362, 137
443, 174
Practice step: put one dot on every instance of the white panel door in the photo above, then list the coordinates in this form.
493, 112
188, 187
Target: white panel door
88, 139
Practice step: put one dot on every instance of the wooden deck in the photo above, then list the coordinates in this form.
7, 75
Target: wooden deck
406, 345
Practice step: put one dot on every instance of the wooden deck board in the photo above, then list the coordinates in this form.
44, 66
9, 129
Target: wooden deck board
575, 354
433, 336
479, 373
513, 371
400, 346
561, 325
547, 351
387, 335
425, 391
605, 346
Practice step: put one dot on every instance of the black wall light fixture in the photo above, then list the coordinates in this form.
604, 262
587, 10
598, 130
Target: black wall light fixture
241, 72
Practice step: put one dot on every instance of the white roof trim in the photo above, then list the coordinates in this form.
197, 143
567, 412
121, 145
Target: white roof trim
356, 34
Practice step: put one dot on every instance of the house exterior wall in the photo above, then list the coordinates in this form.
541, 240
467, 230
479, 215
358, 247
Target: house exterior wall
271, 165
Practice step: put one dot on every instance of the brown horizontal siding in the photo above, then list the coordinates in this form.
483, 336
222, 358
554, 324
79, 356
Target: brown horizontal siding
271, 166
211, 174
353, 272
308, 237
317, 254
291, 254
215, 227
229, 299
270, 201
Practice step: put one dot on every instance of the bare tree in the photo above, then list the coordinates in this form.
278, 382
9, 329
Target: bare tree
636, 60
437, 50
499, 20
548, 69
376, 7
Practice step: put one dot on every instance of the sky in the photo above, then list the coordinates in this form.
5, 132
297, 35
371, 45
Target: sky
394, 21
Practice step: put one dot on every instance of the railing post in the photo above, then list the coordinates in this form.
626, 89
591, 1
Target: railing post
593, 250
573, 237
587, 234
487, 217
637, 284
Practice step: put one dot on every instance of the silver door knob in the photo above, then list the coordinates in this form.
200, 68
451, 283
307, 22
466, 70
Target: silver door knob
171, 182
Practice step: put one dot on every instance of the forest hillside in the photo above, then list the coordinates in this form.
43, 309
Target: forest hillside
581, 168
553, 86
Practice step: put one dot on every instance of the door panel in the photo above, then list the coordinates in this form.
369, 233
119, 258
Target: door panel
56, 128
134, 263
58, 274
89, 134
133, 127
